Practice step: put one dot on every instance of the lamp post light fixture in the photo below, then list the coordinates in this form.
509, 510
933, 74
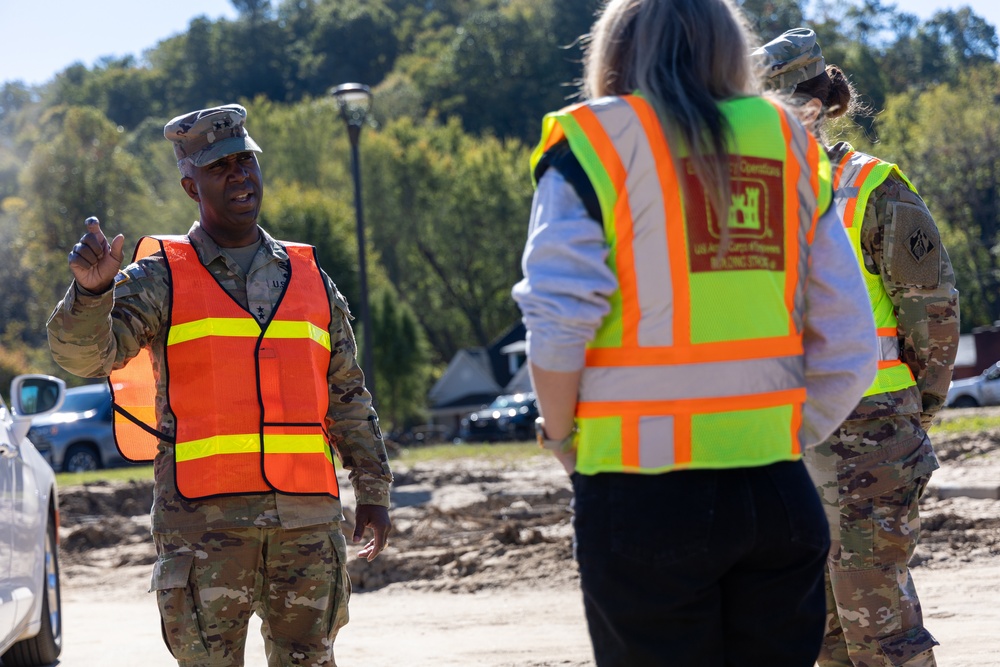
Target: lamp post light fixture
355, 101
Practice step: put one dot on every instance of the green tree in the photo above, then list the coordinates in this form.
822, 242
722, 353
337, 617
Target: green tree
401, 361
267, 73
304, 143
14, 276
254, 10
81, 170
310, 216
499, 71
449, 222
350, 41
947, 139
190, 62
937, 51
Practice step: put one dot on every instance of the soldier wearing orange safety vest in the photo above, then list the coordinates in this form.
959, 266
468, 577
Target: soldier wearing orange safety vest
695, 321
232, 364
873, 469
272, 435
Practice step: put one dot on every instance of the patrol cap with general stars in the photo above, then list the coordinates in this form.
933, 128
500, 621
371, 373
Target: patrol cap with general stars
207, 135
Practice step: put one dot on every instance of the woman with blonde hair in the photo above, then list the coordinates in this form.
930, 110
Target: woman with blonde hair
872, 470
695, 320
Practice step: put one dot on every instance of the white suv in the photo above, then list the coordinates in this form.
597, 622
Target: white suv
983, 389
30, 609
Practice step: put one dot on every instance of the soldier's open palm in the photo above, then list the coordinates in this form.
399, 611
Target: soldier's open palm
93, 261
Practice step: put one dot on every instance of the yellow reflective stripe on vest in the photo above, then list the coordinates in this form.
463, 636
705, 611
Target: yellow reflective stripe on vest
242, 327
297, 444
249, 443
246, 443
857, 177
286, 329
245, 328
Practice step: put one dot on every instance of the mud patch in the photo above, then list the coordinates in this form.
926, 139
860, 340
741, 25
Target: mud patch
478, 524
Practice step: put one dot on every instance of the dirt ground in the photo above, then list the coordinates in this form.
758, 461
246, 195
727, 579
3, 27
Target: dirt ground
489, 530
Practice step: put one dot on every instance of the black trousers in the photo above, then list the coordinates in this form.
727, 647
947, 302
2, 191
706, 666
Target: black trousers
702, 568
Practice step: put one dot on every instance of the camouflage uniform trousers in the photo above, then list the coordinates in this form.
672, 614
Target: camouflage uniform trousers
209, 583
870, 475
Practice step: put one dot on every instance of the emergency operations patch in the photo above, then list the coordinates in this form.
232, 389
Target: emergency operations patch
913, 251
756, 221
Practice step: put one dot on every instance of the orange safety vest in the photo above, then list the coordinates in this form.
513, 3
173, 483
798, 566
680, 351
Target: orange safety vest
699, 363
250, 400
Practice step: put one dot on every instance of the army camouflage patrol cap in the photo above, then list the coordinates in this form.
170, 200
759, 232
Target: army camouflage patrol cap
206, 135
792, 58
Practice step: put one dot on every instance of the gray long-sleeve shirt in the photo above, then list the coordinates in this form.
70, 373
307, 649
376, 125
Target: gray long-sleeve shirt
567, 282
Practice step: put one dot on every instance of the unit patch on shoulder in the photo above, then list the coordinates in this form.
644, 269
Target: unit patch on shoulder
127, 280
920, 245
912, 246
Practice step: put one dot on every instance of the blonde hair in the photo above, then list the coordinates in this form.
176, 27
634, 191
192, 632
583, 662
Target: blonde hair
684, 57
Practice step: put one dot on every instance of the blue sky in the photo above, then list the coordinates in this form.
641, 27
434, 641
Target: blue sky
39, 38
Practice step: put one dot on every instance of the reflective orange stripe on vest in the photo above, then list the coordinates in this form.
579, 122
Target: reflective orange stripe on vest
250, 401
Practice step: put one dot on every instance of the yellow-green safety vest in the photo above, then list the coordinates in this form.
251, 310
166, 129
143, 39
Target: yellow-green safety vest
855, 178
699, 363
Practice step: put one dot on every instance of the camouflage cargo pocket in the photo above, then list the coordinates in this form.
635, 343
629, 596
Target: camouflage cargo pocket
903, 649
884, 470
341, 594
178, 615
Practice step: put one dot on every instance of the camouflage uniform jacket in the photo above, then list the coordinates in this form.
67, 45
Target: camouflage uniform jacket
83, 343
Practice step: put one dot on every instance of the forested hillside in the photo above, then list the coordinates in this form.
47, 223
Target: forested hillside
459, 89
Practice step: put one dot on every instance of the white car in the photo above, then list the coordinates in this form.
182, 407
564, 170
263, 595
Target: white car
984, 389
30, 608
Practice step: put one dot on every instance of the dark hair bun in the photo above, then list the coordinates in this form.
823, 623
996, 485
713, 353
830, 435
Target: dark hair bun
838, 97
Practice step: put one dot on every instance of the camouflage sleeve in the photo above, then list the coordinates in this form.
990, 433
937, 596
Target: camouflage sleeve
352, 420
902, 240
92, 334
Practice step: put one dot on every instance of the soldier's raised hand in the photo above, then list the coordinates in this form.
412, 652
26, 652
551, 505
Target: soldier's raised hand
95, 262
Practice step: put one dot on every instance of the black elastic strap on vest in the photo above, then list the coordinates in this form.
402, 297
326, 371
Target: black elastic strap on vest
145, 427
562, 159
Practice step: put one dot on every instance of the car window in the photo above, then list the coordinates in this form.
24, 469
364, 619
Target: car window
512, 401
83, 401
37, 397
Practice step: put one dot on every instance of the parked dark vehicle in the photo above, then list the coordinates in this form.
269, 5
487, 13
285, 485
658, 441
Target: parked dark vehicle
509, 417
79, 437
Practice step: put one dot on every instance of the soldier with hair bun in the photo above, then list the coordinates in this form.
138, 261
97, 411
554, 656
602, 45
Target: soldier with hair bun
872, 471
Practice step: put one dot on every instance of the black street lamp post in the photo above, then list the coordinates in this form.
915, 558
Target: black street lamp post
355, 101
